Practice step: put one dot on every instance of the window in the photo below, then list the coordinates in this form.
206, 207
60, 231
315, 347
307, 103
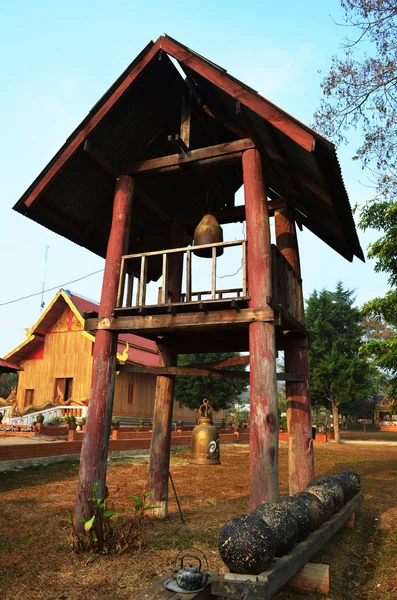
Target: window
29, 397
63, 389
131, 398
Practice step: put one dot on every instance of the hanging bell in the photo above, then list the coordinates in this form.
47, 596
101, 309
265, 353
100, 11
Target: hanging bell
208, 231
205, 438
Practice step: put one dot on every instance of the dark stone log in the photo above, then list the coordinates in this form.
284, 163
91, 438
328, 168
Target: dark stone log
278, 517
350, 483
316, 507
247, 544
301, 513
334, 487
326, 498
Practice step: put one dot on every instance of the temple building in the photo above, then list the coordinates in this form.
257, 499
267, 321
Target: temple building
56, 364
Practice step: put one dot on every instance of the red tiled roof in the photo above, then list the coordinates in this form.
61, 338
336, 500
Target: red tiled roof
141, 350
8, 367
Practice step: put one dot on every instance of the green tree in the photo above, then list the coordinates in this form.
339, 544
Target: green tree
338, 374
221, 392
380, 345
7, 382
360, 92
360, 89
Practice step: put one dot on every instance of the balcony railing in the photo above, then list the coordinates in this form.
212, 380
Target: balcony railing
49, 414
132, 289
286, 297
286, 287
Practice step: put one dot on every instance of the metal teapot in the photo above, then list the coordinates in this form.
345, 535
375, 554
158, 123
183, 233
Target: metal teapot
189, 577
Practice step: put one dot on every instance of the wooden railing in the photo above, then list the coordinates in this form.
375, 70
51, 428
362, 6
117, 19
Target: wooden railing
286, 287
286, 297
125, 298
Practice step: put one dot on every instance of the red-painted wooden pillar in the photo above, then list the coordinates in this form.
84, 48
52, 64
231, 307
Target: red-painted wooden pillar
95, 445
262, 345
160, 447
299, 418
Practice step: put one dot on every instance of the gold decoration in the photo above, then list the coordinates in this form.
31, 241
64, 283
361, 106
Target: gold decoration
62, 324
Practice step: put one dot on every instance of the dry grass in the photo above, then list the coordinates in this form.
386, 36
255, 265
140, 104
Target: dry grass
35, 556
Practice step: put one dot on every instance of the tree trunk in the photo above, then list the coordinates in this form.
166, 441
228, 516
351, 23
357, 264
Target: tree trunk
335, 416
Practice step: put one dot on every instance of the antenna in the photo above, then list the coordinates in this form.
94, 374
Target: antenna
42, 303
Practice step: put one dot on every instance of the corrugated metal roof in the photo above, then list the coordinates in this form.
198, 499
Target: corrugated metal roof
77, 201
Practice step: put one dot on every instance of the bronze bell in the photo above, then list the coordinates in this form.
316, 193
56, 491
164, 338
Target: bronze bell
208, 231
205, 438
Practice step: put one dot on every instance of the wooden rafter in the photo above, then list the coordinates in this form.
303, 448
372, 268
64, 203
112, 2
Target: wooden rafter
164, 163
293, 129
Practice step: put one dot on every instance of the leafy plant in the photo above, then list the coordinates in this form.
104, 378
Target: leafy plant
139, 505
70, 419
107, 532
115, 419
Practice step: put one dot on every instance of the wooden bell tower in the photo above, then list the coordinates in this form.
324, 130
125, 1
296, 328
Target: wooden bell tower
132, 182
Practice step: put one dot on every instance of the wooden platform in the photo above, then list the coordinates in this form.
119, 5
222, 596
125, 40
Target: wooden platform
266, 584
223, 330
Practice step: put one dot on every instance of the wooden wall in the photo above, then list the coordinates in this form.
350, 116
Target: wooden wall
144, 387
66, 354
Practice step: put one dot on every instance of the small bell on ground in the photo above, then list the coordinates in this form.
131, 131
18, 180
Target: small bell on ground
205, 438
208, 231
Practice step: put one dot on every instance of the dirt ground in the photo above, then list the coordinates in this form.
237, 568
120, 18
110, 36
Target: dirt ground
36, 560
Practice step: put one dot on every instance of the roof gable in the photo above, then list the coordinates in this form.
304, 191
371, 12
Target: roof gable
65, 313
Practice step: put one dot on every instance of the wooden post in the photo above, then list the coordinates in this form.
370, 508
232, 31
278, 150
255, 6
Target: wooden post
262, 344
299, 419
160, 446
96, 439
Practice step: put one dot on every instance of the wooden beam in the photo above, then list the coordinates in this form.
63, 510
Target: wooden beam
186, 119
100, 159
236, 213
311, 185
183, 371
220, 151
178, 144
349, 524
200, 371
227, 362
313, 577
278, 118
269, 582
70, 147
152, 205
161, 324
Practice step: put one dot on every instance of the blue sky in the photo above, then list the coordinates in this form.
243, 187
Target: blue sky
57, 59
